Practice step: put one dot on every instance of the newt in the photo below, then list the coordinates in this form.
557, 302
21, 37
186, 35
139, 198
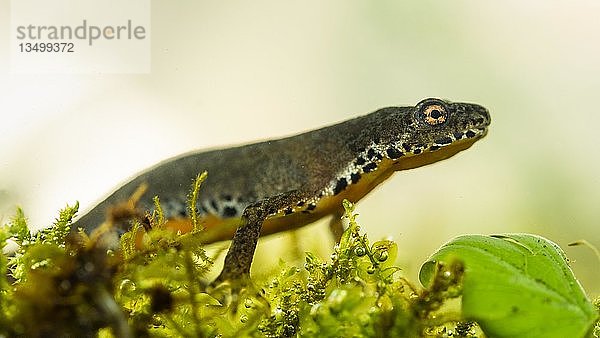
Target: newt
277, 185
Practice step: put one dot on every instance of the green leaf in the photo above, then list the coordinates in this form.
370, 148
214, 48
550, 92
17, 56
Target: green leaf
517, 285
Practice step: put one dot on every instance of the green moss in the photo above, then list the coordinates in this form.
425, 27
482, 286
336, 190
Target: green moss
155, 284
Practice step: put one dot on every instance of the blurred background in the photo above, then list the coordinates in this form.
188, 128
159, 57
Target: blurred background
232, 73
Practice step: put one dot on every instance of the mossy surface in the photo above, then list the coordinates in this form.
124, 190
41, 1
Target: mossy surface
154, 284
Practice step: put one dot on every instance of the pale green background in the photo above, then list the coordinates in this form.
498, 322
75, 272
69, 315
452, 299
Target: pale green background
242, 71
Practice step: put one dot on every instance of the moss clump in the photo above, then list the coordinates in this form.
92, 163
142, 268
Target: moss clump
154, 283
63, 283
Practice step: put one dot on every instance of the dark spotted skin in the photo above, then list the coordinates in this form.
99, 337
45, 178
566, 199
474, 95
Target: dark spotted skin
303, 177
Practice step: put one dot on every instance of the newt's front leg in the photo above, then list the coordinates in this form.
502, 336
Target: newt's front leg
241, 252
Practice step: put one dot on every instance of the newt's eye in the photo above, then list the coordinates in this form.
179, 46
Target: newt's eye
434, 114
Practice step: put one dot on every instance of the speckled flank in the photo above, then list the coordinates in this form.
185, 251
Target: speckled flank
225, 207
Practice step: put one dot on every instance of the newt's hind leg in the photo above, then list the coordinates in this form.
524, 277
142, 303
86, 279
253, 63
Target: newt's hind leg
241, 252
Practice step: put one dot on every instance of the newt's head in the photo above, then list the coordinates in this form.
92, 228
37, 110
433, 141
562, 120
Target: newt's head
430, 131
438, 123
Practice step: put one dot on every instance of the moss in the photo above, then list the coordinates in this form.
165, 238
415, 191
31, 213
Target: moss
155, 284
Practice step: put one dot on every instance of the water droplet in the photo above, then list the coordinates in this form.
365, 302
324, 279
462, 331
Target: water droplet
243, 318
360, 251
65, 285
89, 267
383, 256
248, 303
371, 270
127, 285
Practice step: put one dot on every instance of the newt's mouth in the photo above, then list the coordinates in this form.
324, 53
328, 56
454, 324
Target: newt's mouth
470, 134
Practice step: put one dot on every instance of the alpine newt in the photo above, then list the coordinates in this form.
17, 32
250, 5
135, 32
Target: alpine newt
277, 185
